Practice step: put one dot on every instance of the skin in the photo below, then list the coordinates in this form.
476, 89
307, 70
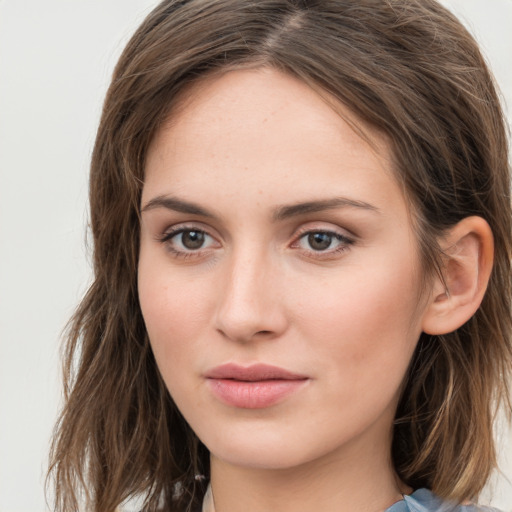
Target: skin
241, 147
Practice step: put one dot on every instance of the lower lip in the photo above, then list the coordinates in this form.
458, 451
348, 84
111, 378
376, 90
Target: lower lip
254, 395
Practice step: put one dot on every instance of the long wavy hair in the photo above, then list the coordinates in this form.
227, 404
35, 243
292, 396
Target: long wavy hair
406, 67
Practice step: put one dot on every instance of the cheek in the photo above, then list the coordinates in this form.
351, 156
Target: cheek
366, 324
175, 312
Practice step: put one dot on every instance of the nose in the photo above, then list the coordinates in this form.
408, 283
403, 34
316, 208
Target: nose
251, 303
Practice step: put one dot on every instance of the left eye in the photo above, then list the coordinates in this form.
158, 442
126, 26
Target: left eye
320, 241
187, 240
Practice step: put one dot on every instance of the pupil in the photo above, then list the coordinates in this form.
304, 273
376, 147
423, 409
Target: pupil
319, 241
192, 239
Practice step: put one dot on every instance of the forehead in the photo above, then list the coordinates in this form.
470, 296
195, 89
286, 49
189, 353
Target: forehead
266, 93
259, 128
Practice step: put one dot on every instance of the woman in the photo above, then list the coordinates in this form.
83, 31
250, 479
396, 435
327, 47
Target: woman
301, 221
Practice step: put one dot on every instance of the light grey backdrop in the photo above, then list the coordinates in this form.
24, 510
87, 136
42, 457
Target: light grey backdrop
56, 57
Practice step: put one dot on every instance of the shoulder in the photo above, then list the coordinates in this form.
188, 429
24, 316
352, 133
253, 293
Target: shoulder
424, 500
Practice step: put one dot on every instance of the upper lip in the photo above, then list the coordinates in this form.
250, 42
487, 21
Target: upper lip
252, 373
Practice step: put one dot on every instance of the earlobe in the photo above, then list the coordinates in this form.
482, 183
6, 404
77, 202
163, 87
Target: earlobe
468, 251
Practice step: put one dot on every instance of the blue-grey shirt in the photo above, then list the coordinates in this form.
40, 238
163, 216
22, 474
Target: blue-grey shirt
421, 500
424, 500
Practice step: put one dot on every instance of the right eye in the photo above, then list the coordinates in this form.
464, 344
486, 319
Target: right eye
187, 241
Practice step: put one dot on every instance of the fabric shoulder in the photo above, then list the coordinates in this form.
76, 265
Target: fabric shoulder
424, 500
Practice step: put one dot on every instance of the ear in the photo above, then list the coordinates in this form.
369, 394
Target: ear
468, 253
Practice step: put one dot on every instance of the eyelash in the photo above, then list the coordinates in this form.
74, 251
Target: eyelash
167, 237
344, 242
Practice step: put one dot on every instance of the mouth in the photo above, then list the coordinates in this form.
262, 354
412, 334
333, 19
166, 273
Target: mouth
254, 387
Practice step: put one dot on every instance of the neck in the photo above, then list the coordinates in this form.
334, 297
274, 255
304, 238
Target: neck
357, 477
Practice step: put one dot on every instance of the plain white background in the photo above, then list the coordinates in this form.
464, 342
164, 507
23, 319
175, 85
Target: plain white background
56, 58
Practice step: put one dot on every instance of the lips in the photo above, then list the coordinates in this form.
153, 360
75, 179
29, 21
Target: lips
256, 372
253, 387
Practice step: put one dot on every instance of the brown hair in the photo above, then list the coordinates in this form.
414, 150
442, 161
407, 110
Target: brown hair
407, 67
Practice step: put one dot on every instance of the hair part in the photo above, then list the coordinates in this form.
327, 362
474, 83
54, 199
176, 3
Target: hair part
405, 67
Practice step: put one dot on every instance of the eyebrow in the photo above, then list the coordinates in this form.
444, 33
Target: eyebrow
280, 213
285, 212
178, 205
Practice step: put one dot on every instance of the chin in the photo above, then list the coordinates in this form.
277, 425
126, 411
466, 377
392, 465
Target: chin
259, 446
257, 456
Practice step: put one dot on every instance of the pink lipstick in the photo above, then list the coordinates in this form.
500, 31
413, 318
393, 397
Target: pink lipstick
253, 387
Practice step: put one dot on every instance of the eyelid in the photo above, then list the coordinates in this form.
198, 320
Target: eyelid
345, 238
180, 227
170, 232
324, 227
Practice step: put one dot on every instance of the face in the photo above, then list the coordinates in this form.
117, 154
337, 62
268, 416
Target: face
278, 273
